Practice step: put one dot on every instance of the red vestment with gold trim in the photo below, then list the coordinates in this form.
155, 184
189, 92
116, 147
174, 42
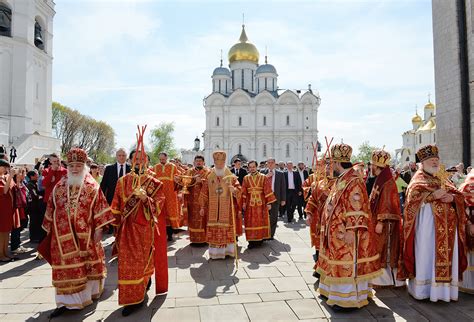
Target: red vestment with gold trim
73, 215
256, 195
137, 223
191, 207
165, 173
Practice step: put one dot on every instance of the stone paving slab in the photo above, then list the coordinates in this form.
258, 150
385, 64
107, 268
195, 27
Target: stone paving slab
272, 283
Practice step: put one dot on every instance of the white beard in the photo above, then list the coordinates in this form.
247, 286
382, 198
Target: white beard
77, 180
430, 170
219, 172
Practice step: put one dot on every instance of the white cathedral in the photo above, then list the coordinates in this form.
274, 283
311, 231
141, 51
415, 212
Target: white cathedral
250, 117
422, 133
26, 45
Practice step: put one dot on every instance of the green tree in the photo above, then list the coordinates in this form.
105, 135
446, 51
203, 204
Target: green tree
77, 130
365, 152
162, 141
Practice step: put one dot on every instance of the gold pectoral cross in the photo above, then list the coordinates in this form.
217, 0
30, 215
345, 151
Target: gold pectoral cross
443, 176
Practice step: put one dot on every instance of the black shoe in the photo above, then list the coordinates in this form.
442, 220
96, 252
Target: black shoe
129, 309
316, 274
58, 311
250, 246
148, 285
338, 308
170, 237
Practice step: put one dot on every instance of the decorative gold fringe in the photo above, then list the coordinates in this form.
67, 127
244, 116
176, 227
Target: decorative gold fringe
347, 280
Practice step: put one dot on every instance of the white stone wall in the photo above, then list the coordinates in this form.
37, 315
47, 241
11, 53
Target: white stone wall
26, 79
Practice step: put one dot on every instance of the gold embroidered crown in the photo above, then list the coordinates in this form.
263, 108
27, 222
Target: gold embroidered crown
381, 158
341, 152
77, 155
427, 152
219, 155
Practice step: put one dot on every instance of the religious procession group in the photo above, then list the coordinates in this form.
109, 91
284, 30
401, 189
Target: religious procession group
362, 241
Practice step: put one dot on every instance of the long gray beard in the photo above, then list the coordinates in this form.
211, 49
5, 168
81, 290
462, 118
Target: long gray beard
219, 172
77, 180
430, 170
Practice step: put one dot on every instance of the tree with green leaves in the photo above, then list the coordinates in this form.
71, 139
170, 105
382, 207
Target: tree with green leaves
77, 130
162, 141
365, 153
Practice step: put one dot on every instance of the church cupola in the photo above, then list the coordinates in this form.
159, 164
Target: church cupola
243, 61
429, 109
266, 77
221, 80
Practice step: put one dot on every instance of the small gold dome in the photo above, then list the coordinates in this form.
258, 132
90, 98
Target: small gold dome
429, 106
243, 50
416, 119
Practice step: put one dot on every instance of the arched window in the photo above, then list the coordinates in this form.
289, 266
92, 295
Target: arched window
217, 121
220, 86
39, 40
287, 120
5, 21
265, 83
240, 120
240, 149
434, 137
264, 121
264, 150
242, 85
287, 154
419, 138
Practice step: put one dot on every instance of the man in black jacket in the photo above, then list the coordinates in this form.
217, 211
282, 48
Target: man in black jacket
112, 173
294, 191
303, 173
279, 190
239, 172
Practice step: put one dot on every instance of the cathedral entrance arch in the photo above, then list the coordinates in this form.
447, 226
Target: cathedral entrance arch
238, 156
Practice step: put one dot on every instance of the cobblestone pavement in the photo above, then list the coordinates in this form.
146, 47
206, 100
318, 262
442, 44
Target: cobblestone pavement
273, 282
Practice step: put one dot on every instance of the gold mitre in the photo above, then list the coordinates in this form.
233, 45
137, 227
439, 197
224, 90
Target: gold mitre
219, 155
381, 158
426, 152
341, 152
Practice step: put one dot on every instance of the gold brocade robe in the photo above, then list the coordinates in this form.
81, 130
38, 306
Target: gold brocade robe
385, 207
256, 195
447, 218
165, 173
73, 215
347, 209
191, 207
137, 226
222, 210
319, 193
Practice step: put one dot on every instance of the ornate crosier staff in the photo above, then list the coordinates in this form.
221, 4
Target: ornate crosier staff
229, 178
139, 156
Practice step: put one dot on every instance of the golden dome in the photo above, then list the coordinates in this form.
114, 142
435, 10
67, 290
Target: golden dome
243, 50
416, 119
429, 106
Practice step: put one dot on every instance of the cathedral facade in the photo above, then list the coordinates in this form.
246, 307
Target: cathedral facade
422, 133
250, 117
26, 45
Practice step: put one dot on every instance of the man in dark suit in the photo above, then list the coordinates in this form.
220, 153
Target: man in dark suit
112, 173
279, 190
293, 190
303, 173
239, 172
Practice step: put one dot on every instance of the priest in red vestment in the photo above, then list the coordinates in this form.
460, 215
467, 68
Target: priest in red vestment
433, 257
219, 201
387, 219
257, 197
165, 172
191, 208
137, 204
467, 188
76, 213
320, 188
348, 259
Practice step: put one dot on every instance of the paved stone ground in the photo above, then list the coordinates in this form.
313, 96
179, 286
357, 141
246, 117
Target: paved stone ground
273, 282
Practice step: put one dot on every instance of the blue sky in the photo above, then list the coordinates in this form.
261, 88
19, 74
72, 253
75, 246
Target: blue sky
143, 62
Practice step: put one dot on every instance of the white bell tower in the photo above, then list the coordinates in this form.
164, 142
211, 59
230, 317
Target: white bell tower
26, 45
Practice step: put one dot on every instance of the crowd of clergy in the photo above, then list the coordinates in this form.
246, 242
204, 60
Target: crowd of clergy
366, 232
